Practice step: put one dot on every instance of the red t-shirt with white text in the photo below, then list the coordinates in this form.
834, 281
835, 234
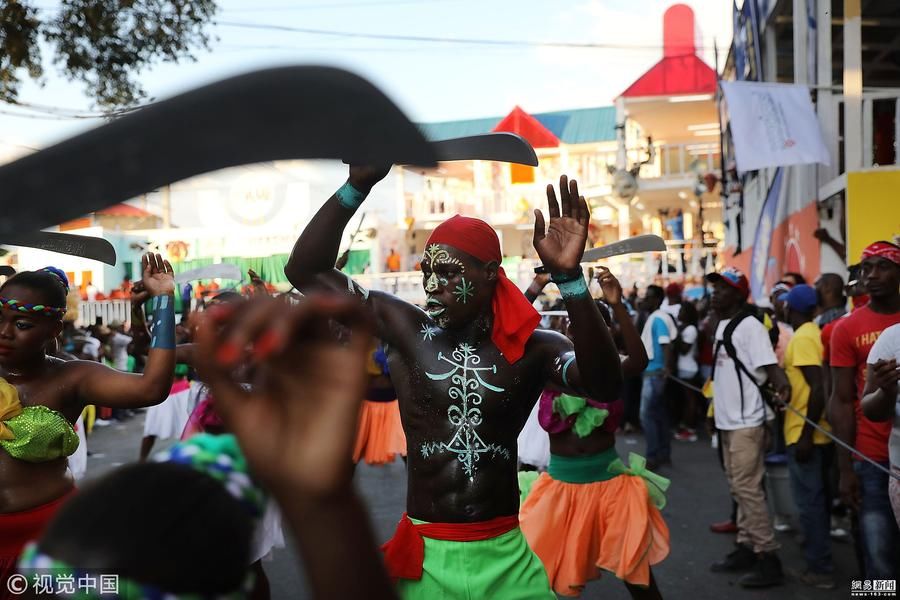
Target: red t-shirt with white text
851, 340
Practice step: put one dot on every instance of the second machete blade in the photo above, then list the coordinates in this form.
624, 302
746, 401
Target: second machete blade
503, 147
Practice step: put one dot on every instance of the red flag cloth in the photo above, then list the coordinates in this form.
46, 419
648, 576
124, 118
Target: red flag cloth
404, 554
515, 319
884, 250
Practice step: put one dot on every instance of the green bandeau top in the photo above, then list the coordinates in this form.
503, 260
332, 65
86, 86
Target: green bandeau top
33, 433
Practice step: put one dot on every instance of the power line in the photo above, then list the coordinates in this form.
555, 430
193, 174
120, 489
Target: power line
46, 117
237, 47
62, 113
7, 143
332, 5
441, 40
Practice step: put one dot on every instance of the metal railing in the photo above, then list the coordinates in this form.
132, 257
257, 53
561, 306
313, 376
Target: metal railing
106, 311
690, 263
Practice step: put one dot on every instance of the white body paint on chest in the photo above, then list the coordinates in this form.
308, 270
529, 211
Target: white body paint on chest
467, 389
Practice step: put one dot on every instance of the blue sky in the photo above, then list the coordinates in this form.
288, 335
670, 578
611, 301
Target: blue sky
430, 81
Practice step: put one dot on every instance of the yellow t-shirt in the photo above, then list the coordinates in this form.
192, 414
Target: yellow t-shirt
804, 350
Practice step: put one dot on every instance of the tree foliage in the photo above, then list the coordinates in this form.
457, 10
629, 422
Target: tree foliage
103, 44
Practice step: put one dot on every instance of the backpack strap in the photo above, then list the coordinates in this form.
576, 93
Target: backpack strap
728, 342
674, 342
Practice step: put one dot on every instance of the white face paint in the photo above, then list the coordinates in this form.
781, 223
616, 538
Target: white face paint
433, 257
428, 332
466, 414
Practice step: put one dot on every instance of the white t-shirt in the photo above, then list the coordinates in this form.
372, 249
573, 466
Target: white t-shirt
754, 349
687, 363
91, 346
886, 347
672, 309
118, 345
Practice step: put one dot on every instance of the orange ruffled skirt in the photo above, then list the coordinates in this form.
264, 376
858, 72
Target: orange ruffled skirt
379, 437
579, 529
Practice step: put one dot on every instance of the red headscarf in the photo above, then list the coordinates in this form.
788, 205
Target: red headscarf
515, 319
884, 250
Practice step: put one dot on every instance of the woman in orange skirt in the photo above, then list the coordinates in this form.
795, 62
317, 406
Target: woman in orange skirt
589, 512
379, 437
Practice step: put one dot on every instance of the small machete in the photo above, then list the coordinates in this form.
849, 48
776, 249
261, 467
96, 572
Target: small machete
94, 248
638, 243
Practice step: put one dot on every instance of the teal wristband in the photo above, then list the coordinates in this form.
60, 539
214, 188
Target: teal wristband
349, 197
575, 288
558, 278
565, 370
163, 329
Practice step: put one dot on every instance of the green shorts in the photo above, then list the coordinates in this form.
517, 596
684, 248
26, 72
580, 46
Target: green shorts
503, 567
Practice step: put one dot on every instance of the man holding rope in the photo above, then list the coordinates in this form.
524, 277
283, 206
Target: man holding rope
743, 359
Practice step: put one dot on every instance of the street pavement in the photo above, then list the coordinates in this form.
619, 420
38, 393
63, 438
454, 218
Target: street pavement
697, 497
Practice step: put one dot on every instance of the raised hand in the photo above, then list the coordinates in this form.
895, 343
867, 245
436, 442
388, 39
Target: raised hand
885, 376
259, 286
561, 246
364, 177
612, 289
297, 424
158, 276
139, 297
139, 294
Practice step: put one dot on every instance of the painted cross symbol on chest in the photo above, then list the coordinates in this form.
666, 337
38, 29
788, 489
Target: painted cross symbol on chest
467, 388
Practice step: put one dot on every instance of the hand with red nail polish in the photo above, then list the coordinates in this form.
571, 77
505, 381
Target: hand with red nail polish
227, 354
297, 424
267, 343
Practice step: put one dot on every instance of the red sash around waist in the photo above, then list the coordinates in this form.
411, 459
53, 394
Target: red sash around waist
404, 554
19, 528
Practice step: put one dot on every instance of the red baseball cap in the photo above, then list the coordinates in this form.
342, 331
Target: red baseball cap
732, 277
674, 289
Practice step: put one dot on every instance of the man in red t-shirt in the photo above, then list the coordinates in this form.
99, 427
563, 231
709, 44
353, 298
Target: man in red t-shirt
863, 487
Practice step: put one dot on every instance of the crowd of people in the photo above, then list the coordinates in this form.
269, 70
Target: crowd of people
507, 419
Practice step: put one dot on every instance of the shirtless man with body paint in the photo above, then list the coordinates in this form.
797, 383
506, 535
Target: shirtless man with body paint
462, 401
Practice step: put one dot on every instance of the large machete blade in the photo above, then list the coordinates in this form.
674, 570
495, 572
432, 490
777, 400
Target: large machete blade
273, 114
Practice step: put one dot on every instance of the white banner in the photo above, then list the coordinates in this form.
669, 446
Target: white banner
773, 125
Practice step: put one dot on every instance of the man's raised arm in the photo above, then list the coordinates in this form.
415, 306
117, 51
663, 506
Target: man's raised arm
594, 368
311, 265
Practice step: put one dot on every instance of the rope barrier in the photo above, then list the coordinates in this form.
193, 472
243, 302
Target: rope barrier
815, 425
